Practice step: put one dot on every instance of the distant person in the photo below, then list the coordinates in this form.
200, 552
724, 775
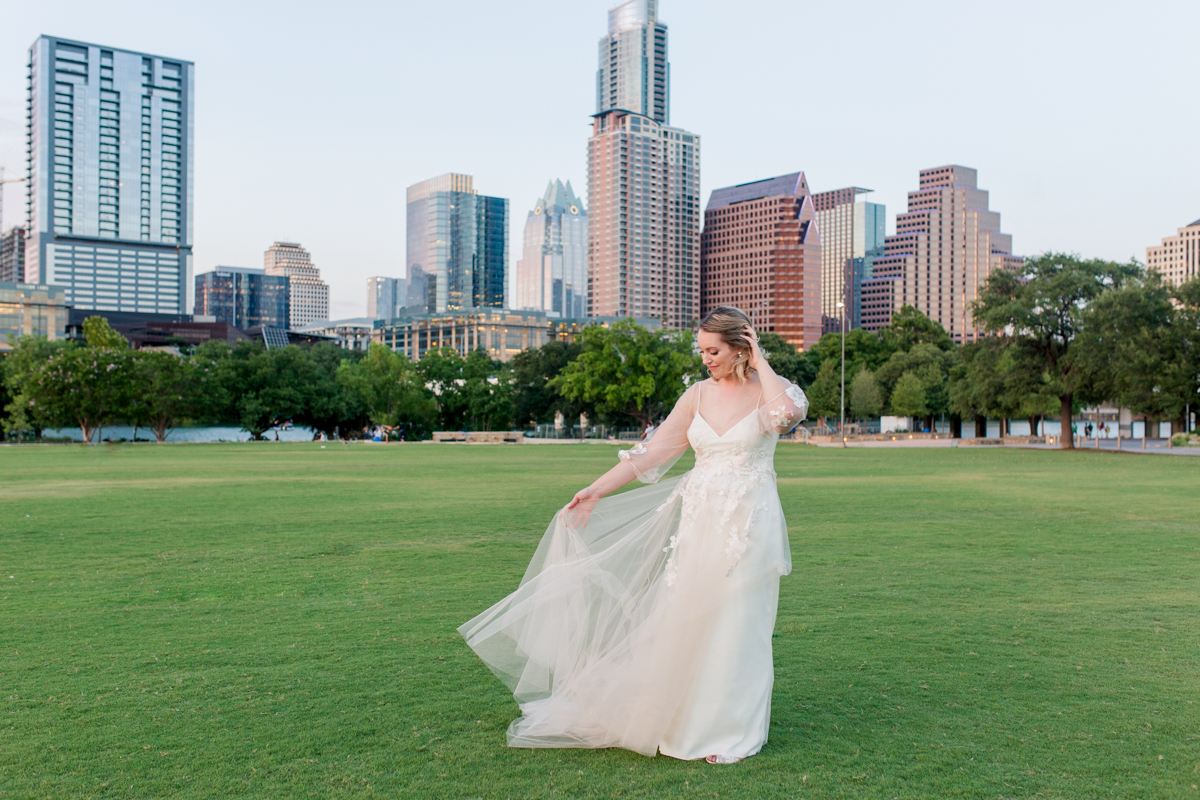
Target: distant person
607, 643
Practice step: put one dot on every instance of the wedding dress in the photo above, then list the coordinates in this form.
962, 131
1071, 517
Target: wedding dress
649, 628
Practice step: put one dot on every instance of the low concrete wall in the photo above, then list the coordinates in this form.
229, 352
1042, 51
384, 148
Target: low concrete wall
479, 437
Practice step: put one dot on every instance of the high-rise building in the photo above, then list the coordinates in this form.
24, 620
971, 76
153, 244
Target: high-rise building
634, 74
1177, 259
31, 310
457, 245
244, 297
944, 248
552, 271
386, 297
852, 233
308, 295
761, 252
110, 176
643, 181
12, 255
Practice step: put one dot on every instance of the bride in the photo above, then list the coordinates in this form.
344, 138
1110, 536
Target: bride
644, 620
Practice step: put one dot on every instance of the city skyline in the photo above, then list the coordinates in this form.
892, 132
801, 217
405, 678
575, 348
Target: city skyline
260, 178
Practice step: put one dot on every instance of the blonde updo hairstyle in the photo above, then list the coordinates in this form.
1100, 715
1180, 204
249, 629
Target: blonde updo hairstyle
730, 324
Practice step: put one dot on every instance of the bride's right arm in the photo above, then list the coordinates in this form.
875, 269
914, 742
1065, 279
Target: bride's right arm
647, 461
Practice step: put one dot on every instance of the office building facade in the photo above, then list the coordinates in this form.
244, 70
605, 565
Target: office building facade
552, 271
939, 259
1177, 259
852, 234
244, 297
109, 135
12, 255
643, 181
457, 248
761, 251
386, 297
32, 310
308, 295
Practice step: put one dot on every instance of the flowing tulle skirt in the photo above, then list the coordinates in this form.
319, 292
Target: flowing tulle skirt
650, 628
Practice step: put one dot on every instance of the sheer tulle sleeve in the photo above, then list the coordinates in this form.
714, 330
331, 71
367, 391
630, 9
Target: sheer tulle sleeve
654, 456
786, 409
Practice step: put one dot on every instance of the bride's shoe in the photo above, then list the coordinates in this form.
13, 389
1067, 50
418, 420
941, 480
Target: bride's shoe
722, 760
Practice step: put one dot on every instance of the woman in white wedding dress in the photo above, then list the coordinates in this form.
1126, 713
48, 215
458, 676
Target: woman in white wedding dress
644, 620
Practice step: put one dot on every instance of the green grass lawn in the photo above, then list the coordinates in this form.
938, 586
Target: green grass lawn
273, 620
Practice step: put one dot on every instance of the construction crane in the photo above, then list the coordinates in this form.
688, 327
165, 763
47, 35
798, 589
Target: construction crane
3, 181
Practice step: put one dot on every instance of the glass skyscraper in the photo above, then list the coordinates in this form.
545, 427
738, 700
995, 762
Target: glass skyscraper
243, 297
552, 271
634, 74
386, 297
852, 234
457, 245
110, 176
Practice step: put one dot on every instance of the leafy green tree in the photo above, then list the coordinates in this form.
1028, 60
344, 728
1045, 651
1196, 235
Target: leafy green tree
863, 350
535, 398
472, 393
1187, 320
265, 387
1134, 349
908, 398
628, 372
976, 383
866, 399
825, 393
168, 390
82, 386
786, 360
928, 363
21, 365
1041, 309
487, 392
391, 390
910, 327
100, 335
333, 407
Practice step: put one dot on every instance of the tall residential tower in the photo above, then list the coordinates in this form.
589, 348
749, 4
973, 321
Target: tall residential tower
634, 74
944, 248
110, 176
552, 270
643, 181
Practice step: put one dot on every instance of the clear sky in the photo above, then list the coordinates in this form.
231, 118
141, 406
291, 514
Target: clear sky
1082, 118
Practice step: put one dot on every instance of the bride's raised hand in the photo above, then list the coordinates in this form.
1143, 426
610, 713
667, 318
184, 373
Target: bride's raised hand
579, 510
757, 357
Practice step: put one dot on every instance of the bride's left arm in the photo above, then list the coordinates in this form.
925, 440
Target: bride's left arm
785, 404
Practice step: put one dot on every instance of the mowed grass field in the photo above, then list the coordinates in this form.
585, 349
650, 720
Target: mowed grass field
276, 620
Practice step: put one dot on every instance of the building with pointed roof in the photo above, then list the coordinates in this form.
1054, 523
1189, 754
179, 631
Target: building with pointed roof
1177, 259
761, 252
552, 271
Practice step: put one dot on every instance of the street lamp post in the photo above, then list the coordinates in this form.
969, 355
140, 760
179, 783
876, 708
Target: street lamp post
842, 416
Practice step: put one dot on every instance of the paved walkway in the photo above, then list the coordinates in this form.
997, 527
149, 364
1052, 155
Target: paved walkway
1134, 446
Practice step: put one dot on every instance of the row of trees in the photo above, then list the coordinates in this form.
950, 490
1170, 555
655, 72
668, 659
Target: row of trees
1064, 332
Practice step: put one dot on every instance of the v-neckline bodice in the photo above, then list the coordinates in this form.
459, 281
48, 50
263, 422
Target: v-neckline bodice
730, 429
